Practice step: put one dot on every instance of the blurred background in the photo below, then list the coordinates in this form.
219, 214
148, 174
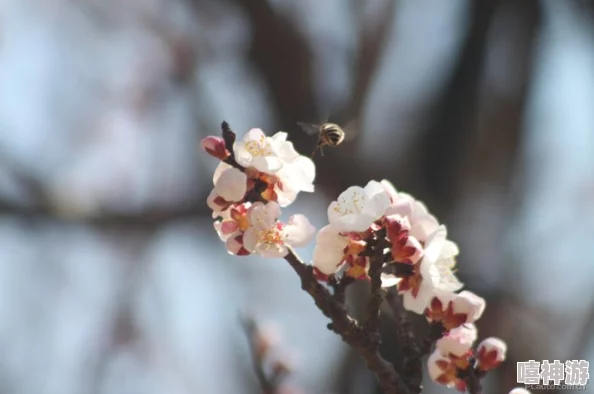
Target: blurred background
112, 279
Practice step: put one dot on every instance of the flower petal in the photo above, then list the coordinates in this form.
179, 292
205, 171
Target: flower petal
242, 156
250, 239
419, 303
267, 164
272, 250
222, 167
328, 253
435, 244
231, 185
389, 280
264, 216
298, 231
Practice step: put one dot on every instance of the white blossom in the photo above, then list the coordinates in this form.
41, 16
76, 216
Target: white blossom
297, 175
270, 238
435, 273
298, 171
458, 341
357, 208
258, 151
328, 252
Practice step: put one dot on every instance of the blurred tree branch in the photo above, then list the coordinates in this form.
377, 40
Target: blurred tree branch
284, 59
445, 137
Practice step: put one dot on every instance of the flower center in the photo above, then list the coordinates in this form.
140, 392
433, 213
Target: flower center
272, 236
258, 148
345, 206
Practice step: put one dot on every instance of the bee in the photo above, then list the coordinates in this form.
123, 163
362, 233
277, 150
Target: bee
330, 134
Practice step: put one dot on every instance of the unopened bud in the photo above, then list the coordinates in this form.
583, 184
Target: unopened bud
470, 304
458, 341
215, 146
490, 353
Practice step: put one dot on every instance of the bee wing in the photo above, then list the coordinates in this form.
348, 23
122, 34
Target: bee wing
309, 128
351, 130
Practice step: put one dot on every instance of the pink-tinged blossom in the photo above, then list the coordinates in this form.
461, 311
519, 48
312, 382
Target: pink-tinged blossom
269, 237
233, 220
357, 208
215, 146
458, 341
453, 310
445, 370
432, 274
328, 255
422, 223
490, 353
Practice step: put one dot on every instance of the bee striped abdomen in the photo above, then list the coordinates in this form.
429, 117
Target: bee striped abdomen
331, 134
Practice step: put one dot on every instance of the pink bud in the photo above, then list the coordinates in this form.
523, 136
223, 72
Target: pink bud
443, 370
215, 146
490, 353
470, 304
396, 224
457, 341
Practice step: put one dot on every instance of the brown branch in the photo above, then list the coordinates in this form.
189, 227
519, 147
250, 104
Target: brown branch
339, 287
408, 343
366, 343
347, 328
473, 381
375, 300
146, 220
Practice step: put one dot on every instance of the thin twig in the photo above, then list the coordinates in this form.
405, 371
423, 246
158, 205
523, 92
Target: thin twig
267, 385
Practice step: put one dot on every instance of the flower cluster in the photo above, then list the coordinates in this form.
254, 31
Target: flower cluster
374, 233
417, 258
453, 361
256, 177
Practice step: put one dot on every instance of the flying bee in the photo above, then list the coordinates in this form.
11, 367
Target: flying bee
330, 134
